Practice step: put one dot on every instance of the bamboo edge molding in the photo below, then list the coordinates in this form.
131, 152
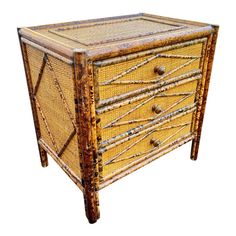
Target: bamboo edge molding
108, 103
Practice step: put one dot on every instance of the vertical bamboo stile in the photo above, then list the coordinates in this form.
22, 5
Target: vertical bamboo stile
42, 152
85, 119
203, 91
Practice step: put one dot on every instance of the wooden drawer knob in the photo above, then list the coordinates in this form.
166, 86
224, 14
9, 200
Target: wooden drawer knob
157, 109
155, 142
160, 70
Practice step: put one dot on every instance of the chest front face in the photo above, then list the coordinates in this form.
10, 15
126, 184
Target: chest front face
147, 102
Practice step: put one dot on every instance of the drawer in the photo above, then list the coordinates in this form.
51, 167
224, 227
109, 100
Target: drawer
147, 144
146, 71
117, 119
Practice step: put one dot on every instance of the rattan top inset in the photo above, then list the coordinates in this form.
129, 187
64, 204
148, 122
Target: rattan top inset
111, 31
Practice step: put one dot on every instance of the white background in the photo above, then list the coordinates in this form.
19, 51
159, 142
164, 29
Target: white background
171, 196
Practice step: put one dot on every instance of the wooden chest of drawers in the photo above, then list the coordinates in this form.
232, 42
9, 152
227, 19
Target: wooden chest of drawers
110, 95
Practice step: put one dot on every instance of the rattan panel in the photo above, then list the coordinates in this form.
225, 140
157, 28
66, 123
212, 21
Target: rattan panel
173, 67
53, 91
35, 62
71, 156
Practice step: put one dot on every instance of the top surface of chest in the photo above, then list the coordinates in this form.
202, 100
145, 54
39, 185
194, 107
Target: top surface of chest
101, 36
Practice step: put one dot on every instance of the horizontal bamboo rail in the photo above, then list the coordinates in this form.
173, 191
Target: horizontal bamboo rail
45, 50
116, 60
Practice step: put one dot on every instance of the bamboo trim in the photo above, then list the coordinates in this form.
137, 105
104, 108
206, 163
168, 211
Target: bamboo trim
176, 132
109, 179
176, 56
59, 33
127, 148
40, 75
46, 124
165, 86
98, 120
59, 161
186, 22
114, 123
150, 150
108, 62
121, 138
176, 69
88, 22
47, 51
58, 87
162, 21
111, 124
201, 63
66, 143
42, 153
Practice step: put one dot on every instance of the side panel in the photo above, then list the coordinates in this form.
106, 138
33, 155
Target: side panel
51, 86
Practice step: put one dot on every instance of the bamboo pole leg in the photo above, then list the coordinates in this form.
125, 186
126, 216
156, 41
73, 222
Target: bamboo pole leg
91, 202
203, 96
87, 139
43, 157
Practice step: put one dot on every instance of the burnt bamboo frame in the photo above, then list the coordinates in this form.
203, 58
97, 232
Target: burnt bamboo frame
87, 123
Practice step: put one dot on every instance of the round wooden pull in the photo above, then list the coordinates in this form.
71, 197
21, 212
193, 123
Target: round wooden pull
157, 109
155, 142
160, 70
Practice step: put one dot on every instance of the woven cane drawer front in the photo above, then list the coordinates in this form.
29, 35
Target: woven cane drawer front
149, 143
119, 118
146, 71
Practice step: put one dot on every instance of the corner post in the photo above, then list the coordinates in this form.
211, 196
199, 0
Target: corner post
202, 96
42, 152
86, 123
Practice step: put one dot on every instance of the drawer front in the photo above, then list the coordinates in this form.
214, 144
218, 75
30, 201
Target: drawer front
147, 71
148, 144
116, 120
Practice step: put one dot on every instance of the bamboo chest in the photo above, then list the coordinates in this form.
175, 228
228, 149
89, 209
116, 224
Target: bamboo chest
111, 95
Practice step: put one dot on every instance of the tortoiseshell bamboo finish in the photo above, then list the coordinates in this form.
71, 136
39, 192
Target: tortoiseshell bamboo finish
107, 103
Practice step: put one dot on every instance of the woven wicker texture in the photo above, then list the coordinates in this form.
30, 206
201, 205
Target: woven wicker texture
143, 147
105, 32
173, 67
53, 83
169, 102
